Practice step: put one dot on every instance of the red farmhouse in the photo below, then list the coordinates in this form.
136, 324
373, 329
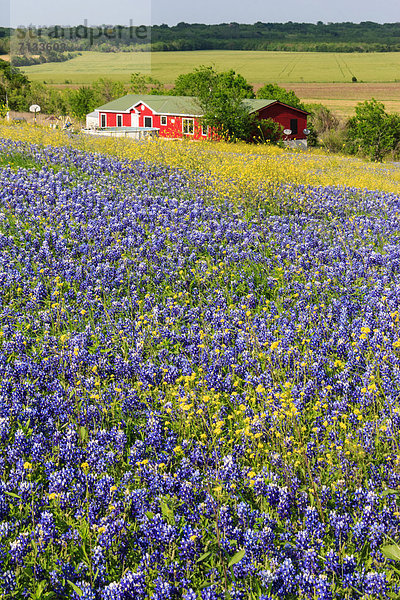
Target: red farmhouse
180, 116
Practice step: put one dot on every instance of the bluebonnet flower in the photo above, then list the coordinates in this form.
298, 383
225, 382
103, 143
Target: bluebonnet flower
376, 584
127, 293
7, 581
211, 593
113, 591
86, 591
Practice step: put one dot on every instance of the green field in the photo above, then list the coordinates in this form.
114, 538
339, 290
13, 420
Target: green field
256, 67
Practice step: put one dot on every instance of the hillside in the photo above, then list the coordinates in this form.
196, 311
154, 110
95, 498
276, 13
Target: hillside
200, 371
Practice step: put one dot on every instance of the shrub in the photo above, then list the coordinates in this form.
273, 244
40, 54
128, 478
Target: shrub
372, 131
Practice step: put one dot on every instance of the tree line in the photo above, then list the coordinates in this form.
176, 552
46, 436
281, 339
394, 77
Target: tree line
290, 36
371, 132
366, 36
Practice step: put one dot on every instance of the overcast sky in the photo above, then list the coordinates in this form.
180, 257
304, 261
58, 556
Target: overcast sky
75, 12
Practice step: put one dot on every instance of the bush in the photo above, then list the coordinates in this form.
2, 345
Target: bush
322, 119
372, 131
334, 140
267, 130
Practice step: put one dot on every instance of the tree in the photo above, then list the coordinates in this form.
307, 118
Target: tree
323, 124
227, 114
220, 95
322, 118
373, 131
50, 100
14, 86
197, 83
106, 90
145, 84
272, 91
201, 80
82, 101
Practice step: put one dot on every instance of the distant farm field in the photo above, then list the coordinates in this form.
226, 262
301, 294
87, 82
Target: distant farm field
342, 97
256, 67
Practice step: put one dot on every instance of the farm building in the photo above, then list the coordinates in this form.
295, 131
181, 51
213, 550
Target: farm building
92, 120
180, 116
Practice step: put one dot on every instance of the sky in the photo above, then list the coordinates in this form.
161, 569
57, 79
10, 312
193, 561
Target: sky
76, 12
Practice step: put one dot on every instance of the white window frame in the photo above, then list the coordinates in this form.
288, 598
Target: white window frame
164, 120
188, 123
144, 121
204, 129
120, 120
103, 118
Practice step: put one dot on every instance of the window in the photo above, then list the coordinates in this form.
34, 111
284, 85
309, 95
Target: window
103, 121
204, 129
293, 125
148, 121
119, 120
188, 126
163, 120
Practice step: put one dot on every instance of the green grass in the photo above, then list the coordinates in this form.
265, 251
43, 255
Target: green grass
19, 161
256, 67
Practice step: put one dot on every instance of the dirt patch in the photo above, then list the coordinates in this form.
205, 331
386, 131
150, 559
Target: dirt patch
345, 91
343, 97
348, 91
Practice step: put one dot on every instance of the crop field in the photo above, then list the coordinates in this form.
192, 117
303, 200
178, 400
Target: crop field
199, 370
342, 98
256, 67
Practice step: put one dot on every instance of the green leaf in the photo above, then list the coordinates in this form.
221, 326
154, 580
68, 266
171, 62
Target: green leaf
237, 557
83, 433
395, 569
13, 495
85, 554
203, 557
390, 491
39, 590
167, 512
391, 551
149, 514
75, 588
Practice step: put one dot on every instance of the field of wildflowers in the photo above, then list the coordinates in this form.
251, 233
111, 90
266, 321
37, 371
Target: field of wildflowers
199, 397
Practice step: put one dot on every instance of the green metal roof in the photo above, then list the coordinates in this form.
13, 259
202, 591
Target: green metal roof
173, 105
255, 105
163, 105
258, 104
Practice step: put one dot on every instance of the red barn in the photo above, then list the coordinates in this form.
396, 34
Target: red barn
180, 116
